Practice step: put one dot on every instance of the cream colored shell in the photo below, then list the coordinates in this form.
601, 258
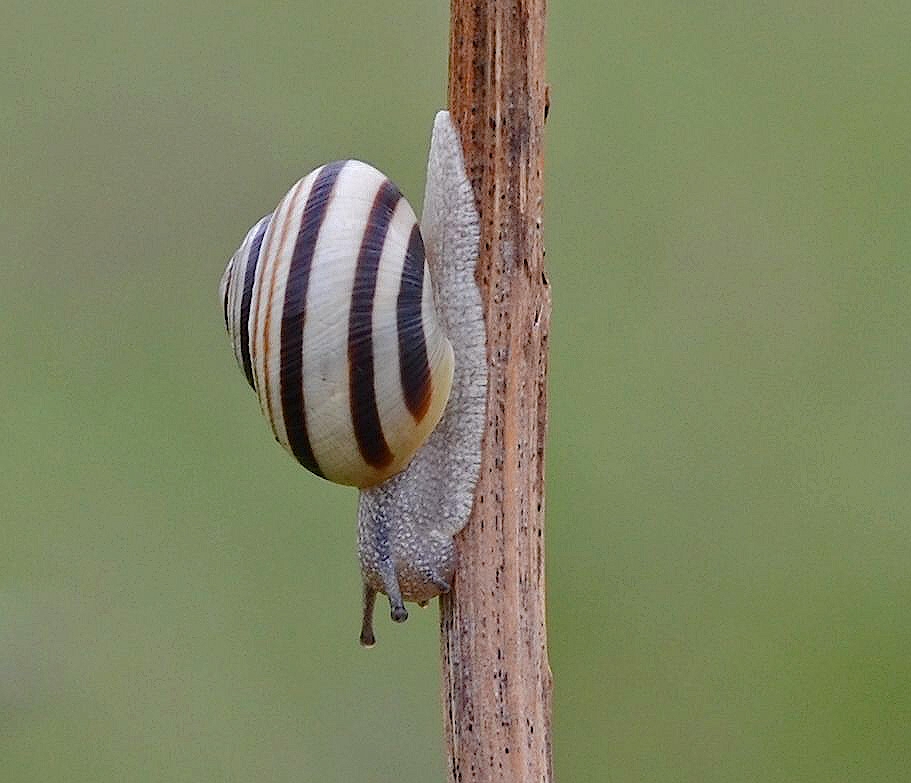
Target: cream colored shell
329, 306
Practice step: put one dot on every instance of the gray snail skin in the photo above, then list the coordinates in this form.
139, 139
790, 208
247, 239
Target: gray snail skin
363, 336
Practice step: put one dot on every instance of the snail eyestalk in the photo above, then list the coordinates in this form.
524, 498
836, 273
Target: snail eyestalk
367, 637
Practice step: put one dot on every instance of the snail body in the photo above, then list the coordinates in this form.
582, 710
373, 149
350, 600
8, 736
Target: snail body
362, 335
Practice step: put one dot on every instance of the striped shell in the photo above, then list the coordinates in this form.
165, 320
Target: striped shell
329, 305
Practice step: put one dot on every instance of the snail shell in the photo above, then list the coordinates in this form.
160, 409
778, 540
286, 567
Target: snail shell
329, 306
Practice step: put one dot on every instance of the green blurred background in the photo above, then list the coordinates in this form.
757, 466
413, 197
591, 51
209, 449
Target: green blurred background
728, 236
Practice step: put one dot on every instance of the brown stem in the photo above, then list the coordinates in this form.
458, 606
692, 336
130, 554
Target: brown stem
496, 676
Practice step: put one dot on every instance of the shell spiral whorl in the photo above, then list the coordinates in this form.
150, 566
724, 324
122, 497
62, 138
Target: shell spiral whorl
329, 306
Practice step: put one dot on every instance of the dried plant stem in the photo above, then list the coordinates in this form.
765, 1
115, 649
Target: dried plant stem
496, 676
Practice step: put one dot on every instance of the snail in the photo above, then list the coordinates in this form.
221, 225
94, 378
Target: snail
363, 336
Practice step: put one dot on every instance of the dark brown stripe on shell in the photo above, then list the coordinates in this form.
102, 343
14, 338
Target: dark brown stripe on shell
364, 413
414, 365
294, 314
249, 275
261, 331
229, 278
